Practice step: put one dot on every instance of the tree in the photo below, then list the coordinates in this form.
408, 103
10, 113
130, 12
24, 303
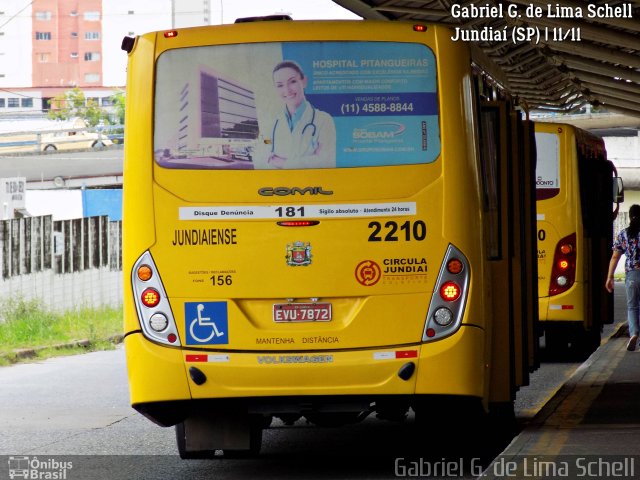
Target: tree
73, 104
117, 102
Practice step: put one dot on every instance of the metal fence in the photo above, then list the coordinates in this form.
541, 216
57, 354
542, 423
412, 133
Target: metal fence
65, 264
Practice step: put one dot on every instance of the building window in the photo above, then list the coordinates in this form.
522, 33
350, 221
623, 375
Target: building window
107, 101
74, 34
92, 16
92, 77
43, 35
91, 56
73, 54
43, 16
73, 13
26, 102
131, 12
44, 57
92, 35
13, 102
2, 104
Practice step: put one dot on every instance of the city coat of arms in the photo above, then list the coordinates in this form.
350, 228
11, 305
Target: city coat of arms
298, 253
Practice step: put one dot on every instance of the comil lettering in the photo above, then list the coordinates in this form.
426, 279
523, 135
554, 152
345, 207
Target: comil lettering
282, 191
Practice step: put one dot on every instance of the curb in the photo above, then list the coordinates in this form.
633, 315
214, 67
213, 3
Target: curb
26, 353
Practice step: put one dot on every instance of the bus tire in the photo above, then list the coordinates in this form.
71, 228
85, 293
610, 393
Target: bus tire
586, 342
181, 441
556, 341
255, 440
453, 420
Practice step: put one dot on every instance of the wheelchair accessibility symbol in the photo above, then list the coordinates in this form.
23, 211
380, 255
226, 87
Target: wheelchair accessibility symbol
206, 323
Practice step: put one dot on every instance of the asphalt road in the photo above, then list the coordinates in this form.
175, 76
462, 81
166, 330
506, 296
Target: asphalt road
77, 409
79, 406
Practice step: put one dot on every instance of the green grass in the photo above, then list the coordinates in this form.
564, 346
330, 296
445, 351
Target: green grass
29, 325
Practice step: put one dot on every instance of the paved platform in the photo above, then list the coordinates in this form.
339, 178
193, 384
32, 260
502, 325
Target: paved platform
591, 426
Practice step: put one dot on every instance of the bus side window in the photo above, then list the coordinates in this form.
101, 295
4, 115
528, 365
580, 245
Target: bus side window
490, 165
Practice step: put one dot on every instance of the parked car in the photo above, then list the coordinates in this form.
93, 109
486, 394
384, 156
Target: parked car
116, 138
35, 135
73, 140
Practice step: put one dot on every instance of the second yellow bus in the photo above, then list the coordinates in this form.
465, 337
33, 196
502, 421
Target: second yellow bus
575, 208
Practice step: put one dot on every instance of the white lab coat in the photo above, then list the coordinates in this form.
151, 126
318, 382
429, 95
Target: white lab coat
311, 144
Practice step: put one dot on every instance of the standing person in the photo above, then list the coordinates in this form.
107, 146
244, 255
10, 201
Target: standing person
627, 243
302, 136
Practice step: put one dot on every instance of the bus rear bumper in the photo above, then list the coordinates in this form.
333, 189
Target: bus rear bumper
566, 307
157, 379
164, 381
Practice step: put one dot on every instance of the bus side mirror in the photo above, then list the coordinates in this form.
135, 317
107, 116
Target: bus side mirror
618, 190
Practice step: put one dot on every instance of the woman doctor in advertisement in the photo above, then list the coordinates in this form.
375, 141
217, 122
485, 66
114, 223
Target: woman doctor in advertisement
302, 136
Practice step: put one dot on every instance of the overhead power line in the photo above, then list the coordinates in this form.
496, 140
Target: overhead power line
19, 12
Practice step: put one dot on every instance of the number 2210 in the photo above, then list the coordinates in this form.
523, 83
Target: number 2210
407, 231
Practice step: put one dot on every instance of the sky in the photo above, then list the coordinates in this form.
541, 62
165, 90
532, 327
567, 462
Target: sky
229, 10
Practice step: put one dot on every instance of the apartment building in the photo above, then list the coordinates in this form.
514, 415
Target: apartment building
48, 47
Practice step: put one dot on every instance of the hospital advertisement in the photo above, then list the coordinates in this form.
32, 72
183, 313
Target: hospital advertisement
296, 105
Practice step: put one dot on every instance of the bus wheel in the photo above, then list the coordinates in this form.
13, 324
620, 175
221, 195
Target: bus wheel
50, 148
452, 420
502, 418
255, 440
181, 440
556, 341
586, 342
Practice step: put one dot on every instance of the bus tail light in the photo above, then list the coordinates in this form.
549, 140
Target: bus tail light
150, 297
449, 297
152, 304
563, 271
450, 291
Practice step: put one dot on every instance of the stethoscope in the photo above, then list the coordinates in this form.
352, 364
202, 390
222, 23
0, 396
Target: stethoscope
310, 124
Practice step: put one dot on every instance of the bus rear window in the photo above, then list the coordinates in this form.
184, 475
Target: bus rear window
547, 165
296, 105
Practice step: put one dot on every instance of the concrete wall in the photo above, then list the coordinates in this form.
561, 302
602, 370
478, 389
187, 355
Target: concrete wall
69, 291
65, 264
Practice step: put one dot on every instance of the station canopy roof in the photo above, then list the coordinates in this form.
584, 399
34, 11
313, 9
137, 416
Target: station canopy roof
597, 62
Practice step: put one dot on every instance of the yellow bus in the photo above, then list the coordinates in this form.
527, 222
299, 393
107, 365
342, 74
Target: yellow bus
575, 201
322, 219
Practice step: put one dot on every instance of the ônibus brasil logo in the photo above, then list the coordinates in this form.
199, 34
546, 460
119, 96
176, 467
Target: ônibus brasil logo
35, 468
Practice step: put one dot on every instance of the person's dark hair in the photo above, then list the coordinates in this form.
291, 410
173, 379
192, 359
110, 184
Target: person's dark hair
288, 64
634, 221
